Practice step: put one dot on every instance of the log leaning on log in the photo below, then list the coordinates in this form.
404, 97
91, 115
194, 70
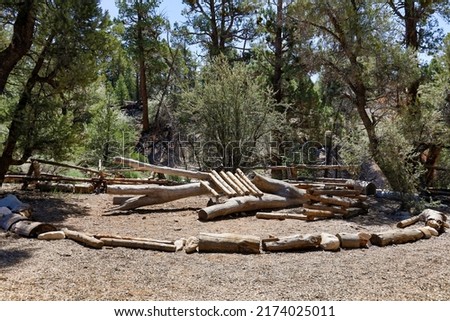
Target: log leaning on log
155, 194
83, 238
228, 243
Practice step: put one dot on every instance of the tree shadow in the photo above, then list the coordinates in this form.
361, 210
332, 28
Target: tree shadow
50, 208
12, 257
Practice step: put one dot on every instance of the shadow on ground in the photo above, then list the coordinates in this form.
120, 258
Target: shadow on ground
11, 257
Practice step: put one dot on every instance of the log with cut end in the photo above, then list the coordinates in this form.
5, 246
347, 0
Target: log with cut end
83, 238
277, 187
54, 235
155, 194
409, 221
292, 243
396, 237
145, 245
246, 204
353, 240
329, 242
228, 243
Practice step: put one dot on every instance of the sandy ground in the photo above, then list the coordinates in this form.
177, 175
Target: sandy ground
32, 269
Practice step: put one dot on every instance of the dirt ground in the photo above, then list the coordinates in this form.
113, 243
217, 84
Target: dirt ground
32, 269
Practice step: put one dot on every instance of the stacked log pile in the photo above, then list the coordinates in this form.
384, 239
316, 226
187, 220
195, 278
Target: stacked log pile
336, 200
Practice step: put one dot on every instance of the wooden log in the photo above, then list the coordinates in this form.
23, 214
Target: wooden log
231, 183
219, 184
335, 192
277, 187
431, 230
31, 229
248, 203
145, 245
160, 194
162, 169
206, 185
409, 221
80, 168
53, 235
255, 190
130, 238
353, 240
191, 245
239, 184
293, 243
83, 238
323, 207
333, 200
318, 213
227, 188
281, 216
396, 237
228, 243
329, 242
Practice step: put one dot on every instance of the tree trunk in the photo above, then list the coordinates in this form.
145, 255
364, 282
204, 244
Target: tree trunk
21, 42
142, 75
228, 243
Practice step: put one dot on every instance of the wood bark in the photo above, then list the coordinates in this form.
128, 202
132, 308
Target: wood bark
135, 244
31, 229
247, 203
396, 237
281, 216
277, 187
157, 195
291, 243
83, 238
162, 169
228, 243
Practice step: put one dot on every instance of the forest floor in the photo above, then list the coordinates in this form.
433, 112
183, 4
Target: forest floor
32, 269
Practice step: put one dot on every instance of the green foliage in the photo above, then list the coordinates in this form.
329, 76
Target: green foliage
231, 111
109, 133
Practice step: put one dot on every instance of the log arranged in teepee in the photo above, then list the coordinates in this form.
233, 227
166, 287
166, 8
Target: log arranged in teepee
155, 194
291, 243
228, 243
397, 236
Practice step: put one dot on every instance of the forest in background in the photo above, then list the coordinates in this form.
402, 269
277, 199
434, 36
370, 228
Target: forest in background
242, 83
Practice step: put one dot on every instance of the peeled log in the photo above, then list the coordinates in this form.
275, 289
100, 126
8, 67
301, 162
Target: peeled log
158, 194
228, 243
146, 245
396, 237
277, 187
294, 242
248, 203
353, 240
409, 221
83, 238
54, 235
329, 242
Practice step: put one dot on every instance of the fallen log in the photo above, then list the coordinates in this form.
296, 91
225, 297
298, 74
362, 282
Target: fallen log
434, 219
228, 243
277, 187
135, 244
246, 204
353, 240
139, 239
396, 237
31, 229
291, 243
161, 169
158, 195
329, 242
409, 221
83, 238
323, 207
53, 235
281, 216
